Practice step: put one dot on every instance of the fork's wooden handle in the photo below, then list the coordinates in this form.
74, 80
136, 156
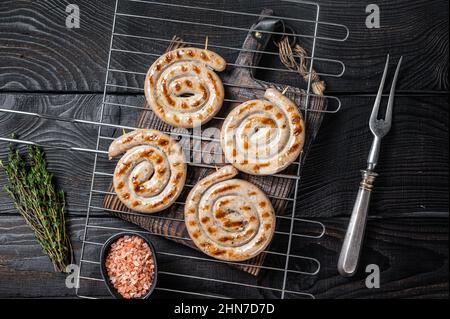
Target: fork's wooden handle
351, 248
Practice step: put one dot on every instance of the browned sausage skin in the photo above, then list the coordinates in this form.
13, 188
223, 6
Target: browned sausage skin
263, 137
151, 175
229, 219
182, 88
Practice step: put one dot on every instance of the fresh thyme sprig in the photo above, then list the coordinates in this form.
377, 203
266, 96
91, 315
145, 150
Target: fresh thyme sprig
30, 186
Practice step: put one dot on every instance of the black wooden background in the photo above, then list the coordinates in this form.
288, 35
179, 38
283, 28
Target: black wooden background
47, 68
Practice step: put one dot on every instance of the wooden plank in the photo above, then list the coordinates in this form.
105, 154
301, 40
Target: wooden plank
395, 245
39, 53
413, 165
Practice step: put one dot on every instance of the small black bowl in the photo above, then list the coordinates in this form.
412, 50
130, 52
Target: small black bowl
104, 253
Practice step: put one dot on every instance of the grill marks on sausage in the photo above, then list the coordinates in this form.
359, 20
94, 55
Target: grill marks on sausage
196, 69
298, 130
268, 107
233, 224
294, 148
150, 137
127, 139
214, 83
177, 178
188, 63
204, 91
266, 215
188, 83
225, 239
167, 197
166, 94
274, 112
245, 108
296, 119
131, 197
205, 220
258, 167
219, 252
226, 188
163, 142
124, 168
268, 121
135, 203
204, 56
169, 57
211, 230
138, 188
227, 224
220, 214
224, 202
261, 240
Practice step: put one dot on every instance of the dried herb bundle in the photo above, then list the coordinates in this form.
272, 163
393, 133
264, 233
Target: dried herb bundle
31, 187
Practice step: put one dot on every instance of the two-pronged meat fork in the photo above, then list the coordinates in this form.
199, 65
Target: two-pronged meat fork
351, 248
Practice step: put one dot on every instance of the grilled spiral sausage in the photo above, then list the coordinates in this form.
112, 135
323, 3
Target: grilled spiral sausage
151, 174
263, 137
229, 219
182, 88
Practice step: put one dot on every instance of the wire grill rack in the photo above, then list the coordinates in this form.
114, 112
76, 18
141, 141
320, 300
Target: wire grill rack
289, 273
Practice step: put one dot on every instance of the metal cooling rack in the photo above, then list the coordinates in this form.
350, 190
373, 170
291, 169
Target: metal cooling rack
90, 246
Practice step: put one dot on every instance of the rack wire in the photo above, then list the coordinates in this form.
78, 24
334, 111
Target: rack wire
282, 269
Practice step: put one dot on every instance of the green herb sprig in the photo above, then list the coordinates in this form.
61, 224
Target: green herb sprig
30, 186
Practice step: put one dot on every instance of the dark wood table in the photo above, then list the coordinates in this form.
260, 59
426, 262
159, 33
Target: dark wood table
47, 68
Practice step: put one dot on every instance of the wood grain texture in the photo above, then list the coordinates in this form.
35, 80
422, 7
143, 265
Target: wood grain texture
413, 164
395, 245
40, 53
407, 232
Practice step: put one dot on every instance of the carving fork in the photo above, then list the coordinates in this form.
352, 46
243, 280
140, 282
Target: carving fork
351, 248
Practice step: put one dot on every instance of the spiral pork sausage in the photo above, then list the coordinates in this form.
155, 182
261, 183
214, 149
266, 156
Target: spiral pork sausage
182, 88
229, 219
151, 174
263, 137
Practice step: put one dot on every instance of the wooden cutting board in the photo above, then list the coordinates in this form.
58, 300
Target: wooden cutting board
241, 86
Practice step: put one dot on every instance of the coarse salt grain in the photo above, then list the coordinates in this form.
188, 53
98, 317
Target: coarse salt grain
130, 266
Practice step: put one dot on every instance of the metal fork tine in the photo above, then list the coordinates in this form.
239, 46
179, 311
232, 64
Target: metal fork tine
376, 106
388, 117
